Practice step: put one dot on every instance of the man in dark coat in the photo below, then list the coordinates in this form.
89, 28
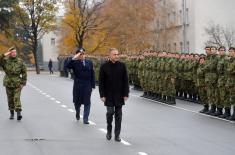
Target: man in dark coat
114, 91
84, 81
50, 66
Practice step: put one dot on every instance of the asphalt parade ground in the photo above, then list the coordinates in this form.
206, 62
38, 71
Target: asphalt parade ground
49, 126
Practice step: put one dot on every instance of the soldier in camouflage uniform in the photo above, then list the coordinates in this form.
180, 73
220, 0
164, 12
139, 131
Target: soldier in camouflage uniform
200, 82
14, 80
221, 81
211, 78
229, 85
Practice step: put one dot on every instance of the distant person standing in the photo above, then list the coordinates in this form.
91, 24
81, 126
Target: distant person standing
50, 66
84, 81
114, 91
14, 80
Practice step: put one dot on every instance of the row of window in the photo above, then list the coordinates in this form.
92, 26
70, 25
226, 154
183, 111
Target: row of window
176, 47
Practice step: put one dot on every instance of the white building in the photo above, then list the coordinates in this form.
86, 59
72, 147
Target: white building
190, 18
50, 40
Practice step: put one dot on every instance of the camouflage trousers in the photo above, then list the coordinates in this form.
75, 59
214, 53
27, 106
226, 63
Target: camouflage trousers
221, 97
229, 97
212, 93
13, 96
202, 94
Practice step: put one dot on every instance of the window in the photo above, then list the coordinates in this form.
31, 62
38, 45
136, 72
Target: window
53, 41
188, 47
180, 17
181, 47
174, 17
187, 16
175, 47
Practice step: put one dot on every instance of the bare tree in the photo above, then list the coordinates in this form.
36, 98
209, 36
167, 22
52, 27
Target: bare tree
220, 35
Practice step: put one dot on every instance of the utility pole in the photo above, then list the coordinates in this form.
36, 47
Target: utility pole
184, 24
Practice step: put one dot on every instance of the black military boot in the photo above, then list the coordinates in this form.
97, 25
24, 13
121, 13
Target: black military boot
227, 113
159, 97
11, 114
205, 109
212, 110
218, 112
232, 118
19, 116
172, 100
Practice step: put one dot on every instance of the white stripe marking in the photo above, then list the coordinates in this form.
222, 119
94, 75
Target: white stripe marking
71, 110
142, 153
52, 98
103, 130
64, 106
125, 142
48, 96
58, 102
44, 93
92, 123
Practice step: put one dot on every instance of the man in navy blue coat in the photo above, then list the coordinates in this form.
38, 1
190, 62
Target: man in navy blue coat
84, 82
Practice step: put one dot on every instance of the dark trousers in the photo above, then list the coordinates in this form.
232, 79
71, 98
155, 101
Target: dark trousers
86, 111
117, 111
51, 71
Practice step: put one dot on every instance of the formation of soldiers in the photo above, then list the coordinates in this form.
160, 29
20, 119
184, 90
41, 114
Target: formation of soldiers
207, 79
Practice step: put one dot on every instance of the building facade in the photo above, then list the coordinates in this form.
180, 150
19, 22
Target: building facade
49, 42
183, 25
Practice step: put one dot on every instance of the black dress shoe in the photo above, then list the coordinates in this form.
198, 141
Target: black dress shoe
77, 116
86, 122
108, 136
117, 139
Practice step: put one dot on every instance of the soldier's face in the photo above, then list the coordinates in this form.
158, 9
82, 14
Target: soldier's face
222, 52
213, 51
231, 53
13, 53
208, 50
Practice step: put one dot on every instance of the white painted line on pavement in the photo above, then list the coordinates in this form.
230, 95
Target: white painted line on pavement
92, 123
176, 107
103, 130
52, 98
48, 96
142, 153
44, 93
125, 142
122, 141
58, 102
64, 106
71, 110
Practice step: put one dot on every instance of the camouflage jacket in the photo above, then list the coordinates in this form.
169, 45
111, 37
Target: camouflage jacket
210, 69
221, 71
15, 69
230, 72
